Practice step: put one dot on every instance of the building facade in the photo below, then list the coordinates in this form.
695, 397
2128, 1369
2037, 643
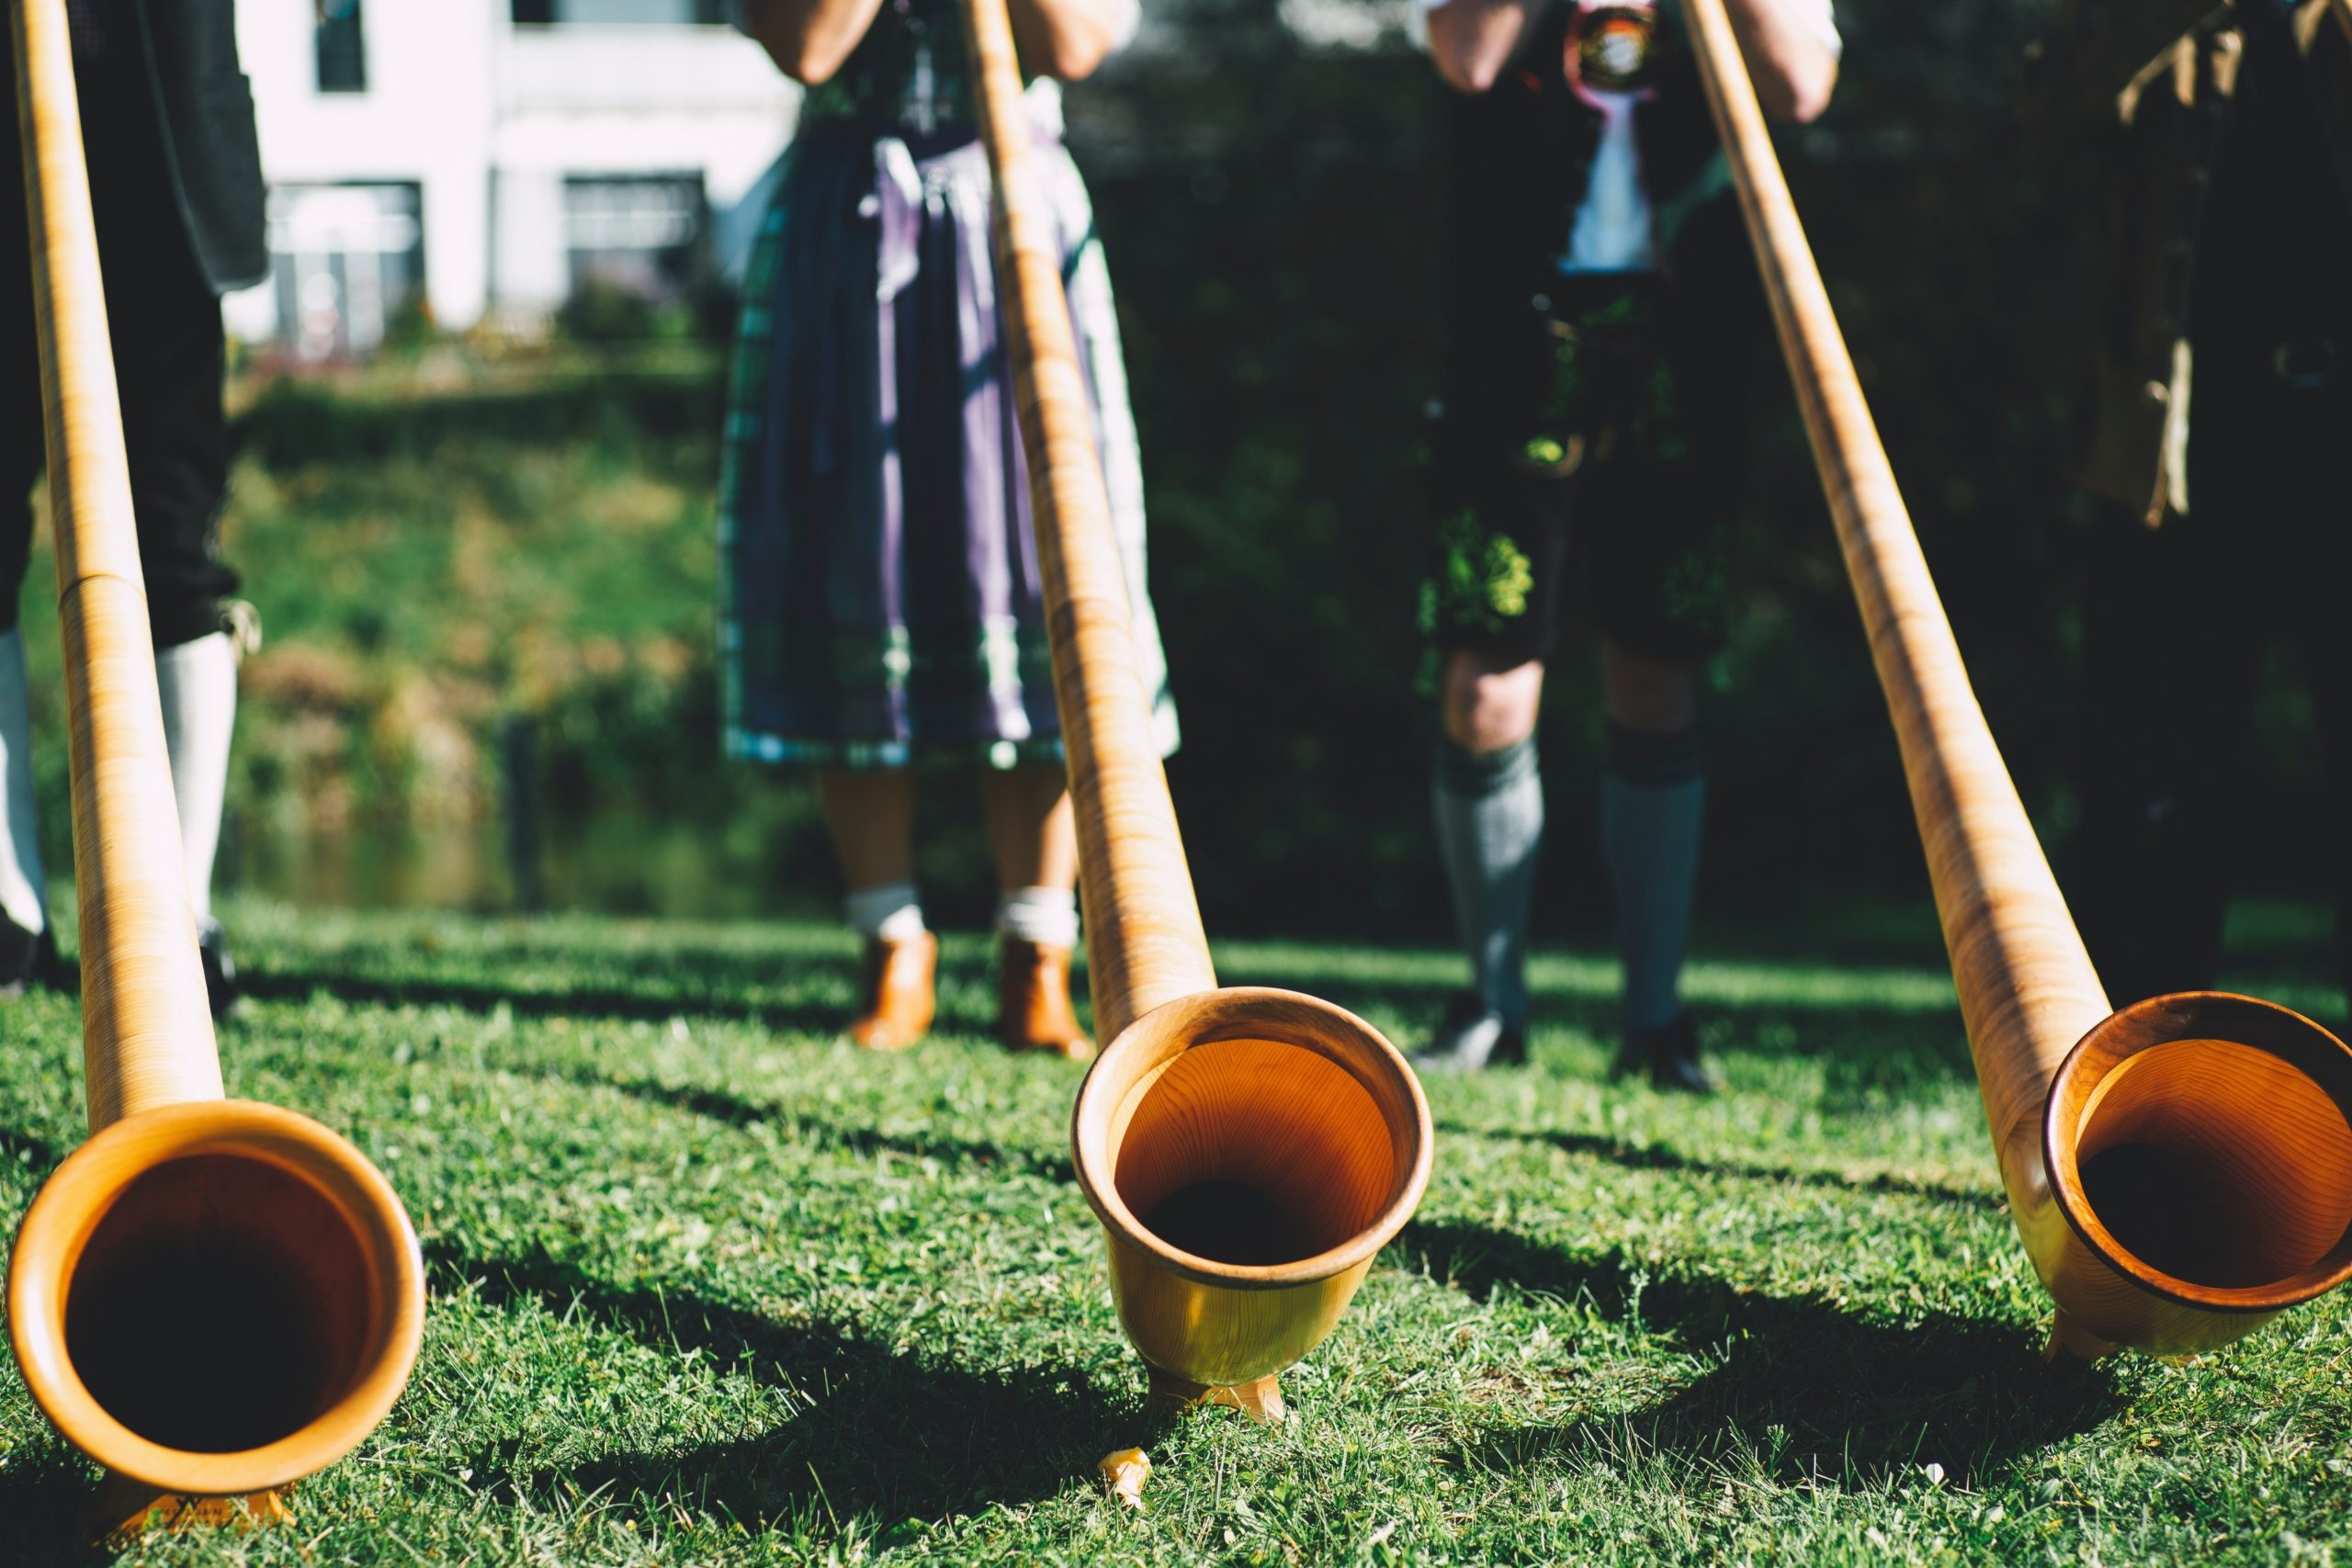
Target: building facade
487, 160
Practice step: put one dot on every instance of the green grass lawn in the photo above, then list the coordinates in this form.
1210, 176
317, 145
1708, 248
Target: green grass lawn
709, 1286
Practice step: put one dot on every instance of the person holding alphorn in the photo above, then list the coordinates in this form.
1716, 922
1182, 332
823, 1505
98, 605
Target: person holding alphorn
2219, 413
882, 599
1601, 303
175, 185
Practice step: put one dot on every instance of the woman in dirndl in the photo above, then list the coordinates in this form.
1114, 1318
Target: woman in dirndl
881, 601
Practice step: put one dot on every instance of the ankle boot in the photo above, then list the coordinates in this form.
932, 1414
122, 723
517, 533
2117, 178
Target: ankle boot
1033, 1011
898, 999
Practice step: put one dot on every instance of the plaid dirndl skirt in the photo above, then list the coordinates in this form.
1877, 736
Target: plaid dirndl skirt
879, 593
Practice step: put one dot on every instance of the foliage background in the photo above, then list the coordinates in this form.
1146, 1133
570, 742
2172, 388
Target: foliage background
461, 538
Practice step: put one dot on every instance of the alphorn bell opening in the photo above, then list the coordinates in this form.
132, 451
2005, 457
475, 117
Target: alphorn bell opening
1248, 1152
210, 1297
2180, 1170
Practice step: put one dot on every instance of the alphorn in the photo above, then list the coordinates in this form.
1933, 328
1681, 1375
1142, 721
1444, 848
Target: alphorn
211, 1298
1248, 1151
2179, 1171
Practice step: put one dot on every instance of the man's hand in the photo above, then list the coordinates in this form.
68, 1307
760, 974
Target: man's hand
1792, 66
1472, 40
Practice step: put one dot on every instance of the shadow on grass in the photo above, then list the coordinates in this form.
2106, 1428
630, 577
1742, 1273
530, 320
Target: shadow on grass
878, 1433
1804, 1388
36, 1155
1654, 1156
735, 1110
677, 985
589, 1001
1864, 1048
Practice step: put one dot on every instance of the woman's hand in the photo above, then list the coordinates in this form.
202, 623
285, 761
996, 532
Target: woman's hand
1068, 39
808, 38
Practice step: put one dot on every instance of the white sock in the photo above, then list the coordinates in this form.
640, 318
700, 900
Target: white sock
891, 911
198, 682
1046, 916
21, 884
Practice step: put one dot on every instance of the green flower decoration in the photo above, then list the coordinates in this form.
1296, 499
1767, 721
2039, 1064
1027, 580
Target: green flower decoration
1483, 578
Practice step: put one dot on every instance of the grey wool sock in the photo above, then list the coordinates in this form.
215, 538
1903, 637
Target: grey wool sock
1653, 805
1490, 811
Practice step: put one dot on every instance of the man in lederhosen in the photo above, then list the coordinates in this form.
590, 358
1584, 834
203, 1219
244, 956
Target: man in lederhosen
1601, 309
167, 121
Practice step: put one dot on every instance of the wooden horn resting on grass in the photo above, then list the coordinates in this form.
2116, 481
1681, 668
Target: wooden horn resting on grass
211, 1298
2180, 1171
1248, 1151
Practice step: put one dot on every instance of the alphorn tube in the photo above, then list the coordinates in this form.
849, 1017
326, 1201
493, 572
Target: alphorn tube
2179, 1171
210, 1297
1248, 1151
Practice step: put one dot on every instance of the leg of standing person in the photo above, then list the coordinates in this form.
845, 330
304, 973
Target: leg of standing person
2172, 648
870, 814
169, 366
1652, 810
1032, 837
1654, 574
1486, 800
2312, 492
25, 937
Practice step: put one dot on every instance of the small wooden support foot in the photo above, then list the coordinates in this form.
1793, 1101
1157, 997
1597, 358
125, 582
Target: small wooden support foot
1261, 1399
2067, 1337
128, 1509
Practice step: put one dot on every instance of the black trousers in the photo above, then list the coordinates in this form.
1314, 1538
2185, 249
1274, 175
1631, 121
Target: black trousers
166, 324
2177, 623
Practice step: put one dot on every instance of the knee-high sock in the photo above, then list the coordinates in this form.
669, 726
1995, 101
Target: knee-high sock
198, 682
1652, 802
890, 910
1490, 811
21, 886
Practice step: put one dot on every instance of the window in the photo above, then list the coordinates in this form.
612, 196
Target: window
347, 262
644, 235
341, 47
621, 13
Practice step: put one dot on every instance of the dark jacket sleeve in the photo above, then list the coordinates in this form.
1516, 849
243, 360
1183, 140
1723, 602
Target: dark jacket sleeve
2094, 51
212, 152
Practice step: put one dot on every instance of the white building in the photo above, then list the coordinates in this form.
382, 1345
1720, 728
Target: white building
492, 155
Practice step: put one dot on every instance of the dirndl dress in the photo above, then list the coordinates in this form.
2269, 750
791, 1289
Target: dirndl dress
881, 597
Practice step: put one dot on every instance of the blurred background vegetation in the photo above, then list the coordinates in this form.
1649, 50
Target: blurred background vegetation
487, 573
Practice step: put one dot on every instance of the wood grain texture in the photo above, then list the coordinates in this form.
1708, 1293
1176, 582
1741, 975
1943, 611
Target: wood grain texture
1144, 941
2028, 992
147, 1032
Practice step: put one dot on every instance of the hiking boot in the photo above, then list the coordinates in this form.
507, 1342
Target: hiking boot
220, 989
1473, 1036
1033, 1011
27, 958
897, 999
1668, 1054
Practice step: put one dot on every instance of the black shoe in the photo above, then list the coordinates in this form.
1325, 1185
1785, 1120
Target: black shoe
220, 969
1473, 1036
27, 958
1669, 1054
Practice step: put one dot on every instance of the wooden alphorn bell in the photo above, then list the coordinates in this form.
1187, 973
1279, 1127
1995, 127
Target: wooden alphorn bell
2179, 1171
211, 1298
1248, 1151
